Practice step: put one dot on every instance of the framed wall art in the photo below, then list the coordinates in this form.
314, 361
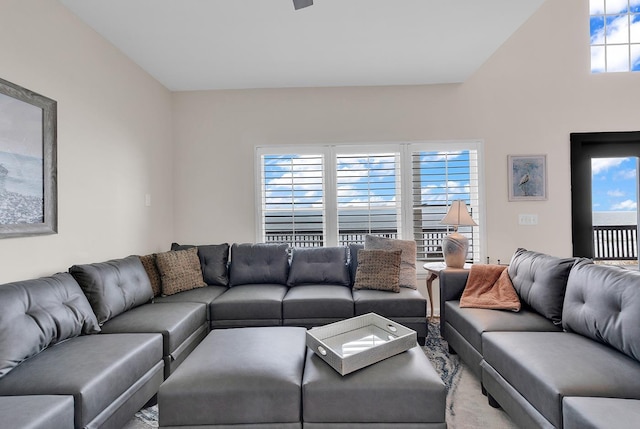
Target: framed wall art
527, 177
28, 185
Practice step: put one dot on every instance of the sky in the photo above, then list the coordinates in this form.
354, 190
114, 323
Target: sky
614, 184
616, 24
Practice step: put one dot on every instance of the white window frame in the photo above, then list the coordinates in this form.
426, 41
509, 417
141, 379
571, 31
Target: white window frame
405, 150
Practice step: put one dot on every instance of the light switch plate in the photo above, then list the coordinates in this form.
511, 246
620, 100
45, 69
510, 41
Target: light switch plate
528, 219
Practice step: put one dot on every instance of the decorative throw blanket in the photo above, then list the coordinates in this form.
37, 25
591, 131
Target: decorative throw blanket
489, 286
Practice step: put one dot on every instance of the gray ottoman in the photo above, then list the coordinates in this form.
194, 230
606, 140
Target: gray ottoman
238, 378
266, 378
403, 391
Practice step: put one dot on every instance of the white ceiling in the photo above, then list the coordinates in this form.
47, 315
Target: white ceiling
224, 44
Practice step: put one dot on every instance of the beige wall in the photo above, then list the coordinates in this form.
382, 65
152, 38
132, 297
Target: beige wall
527, 99
114, 141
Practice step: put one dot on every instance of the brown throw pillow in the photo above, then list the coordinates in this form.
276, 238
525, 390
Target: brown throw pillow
378, 269
180, 270
149, 264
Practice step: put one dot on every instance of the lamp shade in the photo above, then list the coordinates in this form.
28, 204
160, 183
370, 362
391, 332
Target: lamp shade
458, 215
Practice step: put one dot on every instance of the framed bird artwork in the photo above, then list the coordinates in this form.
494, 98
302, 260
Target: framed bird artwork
527, 177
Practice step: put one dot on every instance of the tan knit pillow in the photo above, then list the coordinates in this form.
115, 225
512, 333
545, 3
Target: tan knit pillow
180, 270
378, 269
149, 264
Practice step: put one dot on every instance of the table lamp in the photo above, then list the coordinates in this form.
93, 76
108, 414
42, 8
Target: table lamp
455, 245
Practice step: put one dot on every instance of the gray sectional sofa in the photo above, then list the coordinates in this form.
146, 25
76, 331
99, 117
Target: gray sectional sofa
90, 347
569, 358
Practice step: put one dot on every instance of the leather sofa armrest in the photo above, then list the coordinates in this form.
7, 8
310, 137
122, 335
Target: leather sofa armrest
452, 284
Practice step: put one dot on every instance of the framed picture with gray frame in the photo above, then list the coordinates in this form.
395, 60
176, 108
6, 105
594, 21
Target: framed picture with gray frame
28, 185
527, 177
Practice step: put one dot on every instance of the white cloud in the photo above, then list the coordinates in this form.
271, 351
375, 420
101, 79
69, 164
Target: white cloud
596, 7
625, 205
599, 165
617, 193
626, 174
618, 30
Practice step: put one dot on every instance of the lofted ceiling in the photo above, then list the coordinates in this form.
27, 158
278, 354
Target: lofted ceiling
233, 44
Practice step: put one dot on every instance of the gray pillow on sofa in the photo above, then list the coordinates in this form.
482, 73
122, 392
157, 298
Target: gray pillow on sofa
319, 265
259, 264
35, 314
540, 281
214, 259
408, 247
113, 287
603, 303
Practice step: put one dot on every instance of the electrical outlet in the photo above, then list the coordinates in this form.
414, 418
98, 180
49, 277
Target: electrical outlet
528, 219
147, 200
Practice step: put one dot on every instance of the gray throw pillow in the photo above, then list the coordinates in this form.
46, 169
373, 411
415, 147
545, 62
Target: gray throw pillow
540, 281
353, 260
319, 265
259, 264
113, 287
214, 259
35, 314
408, 265
378, 270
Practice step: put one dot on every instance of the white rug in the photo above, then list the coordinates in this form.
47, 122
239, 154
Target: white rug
467, 407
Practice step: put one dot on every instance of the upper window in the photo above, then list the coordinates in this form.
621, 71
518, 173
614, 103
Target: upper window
336, 195
615, 35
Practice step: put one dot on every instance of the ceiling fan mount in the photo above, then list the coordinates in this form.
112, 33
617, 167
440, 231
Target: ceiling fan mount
299, 4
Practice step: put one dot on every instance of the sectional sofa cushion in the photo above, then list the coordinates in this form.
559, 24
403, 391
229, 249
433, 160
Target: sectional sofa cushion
36, 411
113, 287
540, 281
603, 303
319, 265
214, 259
149, 264
180, 270
544, 367
35, 314
595, 413
102, 372
249, 305
259, 264
378, 269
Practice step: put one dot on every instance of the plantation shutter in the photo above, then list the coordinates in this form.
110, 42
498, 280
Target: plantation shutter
293, 199
438, 178
368, 196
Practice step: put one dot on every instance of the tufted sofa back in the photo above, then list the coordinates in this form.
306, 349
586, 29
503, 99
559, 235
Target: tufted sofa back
35, 314
540, 281
115, 286
603, 303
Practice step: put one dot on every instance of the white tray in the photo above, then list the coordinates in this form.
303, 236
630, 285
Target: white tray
354, 343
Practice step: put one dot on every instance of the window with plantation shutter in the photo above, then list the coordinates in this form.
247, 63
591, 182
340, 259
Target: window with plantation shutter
368, 196
293, 199
438, 178
335, 195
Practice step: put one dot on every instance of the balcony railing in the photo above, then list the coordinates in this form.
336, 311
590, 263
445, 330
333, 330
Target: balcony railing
428, 241
615, 242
